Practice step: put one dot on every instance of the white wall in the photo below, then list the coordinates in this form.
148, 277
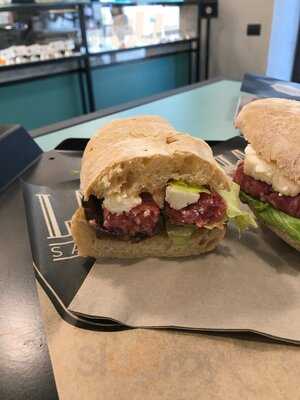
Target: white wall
233, 52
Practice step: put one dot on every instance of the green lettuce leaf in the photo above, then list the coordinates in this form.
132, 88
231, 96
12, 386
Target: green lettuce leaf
186, 187
180, 234
241, 218
254, 203
268, 214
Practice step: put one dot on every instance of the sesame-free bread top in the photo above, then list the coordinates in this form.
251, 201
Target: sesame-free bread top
272, 127
142, 154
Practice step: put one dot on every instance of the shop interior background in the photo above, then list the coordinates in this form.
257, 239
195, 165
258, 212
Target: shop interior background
134, 52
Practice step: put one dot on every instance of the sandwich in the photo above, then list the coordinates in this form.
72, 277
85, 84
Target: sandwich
149, 190
269, 176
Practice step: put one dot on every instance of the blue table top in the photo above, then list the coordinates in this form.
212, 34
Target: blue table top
206, 112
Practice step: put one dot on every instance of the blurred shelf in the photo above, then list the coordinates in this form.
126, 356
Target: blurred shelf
149, 46
10, 74
97, 54
40, 62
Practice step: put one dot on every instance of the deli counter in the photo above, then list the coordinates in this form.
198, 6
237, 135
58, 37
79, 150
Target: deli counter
77, 57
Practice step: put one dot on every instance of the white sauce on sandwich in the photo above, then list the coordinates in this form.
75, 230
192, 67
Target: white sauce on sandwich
179, 198
121, 203
267, 172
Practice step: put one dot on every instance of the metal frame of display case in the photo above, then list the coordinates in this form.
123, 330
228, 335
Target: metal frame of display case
207, 9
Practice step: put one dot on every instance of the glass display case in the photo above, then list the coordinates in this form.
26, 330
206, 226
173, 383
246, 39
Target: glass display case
40, 33
43, 39
114, 27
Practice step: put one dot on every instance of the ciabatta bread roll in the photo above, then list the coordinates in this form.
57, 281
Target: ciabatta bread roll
149, 190
270, 173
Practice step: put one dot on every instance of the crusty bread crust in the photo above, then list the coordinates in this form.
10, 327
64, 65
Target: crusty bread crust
272, 126
286, 238
157, 246
142, 154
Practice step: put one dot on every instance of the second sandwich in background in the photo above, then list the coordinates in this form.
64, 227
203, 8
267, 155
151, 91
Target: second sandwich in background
151, 191
269, 176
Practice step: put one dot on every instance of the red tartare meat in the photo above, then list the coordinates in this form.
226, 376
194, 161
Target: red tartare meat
264, 192
209, 209
141, 220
